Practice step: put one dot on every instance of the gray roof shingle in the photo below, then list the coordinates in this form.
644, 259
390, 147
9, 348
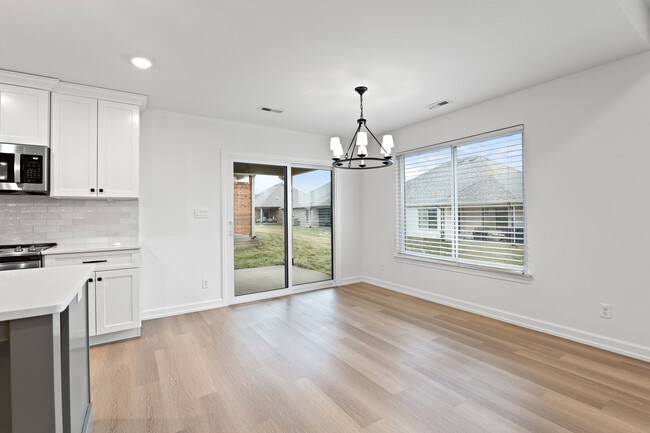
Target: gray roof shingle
274, 197
481, 181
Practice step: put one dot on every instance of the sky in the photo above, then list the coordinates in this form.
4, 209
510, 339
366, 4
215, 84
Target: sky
304, 182
506, 149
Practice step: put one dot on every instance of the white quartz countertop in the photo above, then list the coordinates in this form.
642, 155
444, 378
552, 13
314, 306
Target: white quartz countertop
87, 248
41, 291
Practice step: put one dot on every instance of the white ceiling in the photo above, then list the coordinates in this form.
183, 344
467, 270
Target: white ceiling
225, 58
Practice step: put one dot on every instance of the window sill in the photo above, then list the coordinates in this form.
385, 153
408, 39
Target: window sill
465, 268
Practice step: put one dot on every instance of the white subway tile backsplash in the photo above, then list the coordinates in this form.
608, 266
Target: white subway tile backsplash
29, 219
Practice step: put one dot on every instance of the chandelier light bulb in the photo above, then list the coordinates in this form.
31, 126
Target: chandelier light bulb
336, 147
363, 151
387, 142
362, 139
387, 145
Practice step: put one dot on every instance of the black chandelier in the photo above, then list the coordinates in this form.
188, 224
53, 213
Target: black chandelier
360, 140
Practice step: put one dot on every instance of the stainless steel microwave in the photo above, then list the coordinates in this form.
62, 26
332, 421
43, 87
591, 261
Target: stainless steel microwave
23, 169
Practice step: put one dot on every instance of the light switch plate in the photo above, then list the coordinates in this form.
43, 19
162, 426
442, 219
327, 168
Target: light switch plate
200, 212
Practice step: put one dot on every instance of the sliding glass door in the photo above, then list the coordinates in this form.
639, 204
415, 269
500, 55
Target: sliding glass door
271, 228
311, 225
259, 203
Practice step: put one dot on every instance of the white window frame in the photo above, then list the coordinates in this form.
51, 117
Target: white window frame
454, 263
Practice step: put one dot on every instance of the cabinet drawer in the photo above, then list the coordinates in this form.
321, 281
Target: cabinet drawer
103, 260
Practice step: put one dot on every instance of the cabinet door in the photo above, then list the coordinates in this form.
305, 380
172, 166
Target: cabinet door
74, 146
117, 300
118, 149
24, 115
92, 324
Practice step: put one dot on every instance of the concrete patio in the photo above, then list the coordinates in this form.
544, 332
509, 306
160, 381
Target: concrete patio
265, 278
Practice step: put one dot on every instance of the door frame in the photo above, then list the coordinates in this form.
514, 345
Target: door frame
227, 225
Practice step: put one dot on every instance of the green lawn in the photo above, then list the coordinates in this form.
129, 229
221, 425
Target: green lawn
495, 252
312, 248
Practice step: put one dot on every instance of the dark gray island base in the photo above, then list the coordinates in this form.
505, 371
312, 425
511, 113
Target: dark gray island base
44, 363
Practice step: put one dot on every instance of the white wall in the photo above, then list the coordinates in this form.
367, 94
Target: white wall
587, 156
181, 170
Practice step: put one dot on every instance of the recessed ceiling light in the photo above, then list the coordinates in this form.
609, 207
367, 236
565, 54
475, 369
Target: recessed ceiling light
141, 62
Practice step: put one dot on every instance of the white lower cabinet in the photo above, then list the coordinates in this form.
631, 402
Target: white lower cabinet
117, 306
113, 292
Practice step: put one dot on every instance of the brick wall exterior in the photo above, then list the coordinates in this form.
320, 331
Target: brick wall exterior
243, 207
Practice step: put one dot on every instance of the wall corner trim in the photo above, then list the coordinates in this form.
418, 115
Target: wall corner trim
600, 341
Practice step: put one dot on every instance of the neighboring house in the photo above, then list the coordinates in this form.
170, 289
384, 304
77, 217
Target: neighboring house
269, 204
312, 209
490, 199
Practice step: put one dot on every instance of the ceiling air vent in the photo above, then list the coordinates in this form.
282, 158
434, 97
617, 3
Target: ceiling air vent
438, 104
270, 110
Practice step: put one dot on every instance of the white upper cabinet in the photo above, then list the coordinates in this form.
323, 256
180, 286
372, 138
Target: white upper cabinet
74, 146
95, 148
118, 149
24, 115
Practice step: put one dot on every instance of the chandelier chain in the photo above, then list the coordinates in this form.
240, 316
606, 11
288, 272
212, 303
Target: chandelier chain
361, 105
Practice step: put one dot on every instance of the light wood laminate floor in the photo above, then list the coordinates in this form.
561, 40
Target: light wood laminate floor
360, 359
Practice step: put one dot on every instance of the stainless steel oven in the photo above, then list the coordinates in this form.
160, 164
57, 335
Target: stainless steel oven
21, 257
23, 169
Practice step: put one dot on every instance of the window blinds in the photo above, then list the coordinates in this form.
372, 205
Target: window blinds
464, 201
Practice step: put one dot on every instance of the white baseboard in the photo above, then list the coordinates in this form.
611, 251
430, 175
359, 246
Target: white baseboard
613, 345
351, 280
114, 336
174, 310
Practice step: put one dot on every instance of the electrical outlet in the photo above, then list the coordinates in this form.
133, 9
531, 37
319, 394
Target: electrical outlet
606, 311
383, 267
205, 284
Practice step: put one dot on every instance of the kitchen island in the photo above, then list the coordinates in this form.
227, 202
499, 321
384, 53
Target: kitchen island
44, 368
